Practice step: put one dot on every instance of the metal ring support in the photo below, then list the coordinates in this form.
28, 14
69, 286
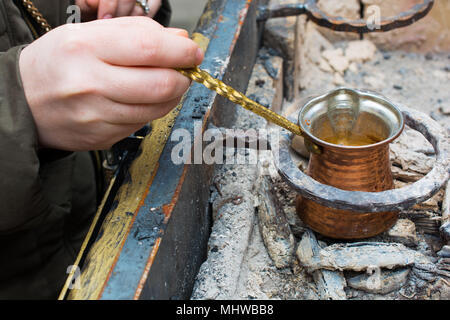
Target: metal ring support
311, 9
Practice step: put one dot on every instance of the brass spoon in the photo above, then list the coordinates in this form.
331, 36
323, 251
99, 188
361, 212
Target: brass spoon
203, 77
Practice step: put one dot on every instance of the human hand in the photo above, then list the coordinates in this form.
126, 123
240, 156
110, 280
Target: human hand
92, 86
101, 9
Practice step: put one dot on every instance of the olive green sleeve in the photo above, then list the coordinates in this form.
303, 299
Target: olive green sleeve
164, 14
56, 12
20, 196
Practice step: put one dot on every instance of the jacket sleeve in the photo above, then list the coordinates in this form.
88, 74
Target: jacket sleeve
164, 14
20, 196
54, 11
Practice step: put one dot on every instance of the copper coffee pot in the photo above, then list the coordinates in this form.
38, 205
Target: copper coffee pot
353, 131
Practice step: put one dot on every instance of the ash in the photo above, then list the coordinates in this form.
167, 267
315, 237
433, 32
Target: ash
246, 263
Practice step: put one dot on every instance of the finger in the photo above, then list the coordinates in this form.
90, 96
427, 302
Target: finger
143, 22
142, 85
144, 44
137, 11
154, 6
93, 4
88, 9
130, 114
83, 5
107, 9
125, 8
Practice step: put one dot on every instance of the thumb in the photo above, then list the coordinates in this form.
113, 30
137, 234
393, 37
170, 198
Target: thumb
182, 33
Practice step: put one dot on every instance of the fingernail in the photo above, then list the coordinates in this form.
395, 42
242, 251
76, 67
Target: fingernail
107, 16
200, 56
